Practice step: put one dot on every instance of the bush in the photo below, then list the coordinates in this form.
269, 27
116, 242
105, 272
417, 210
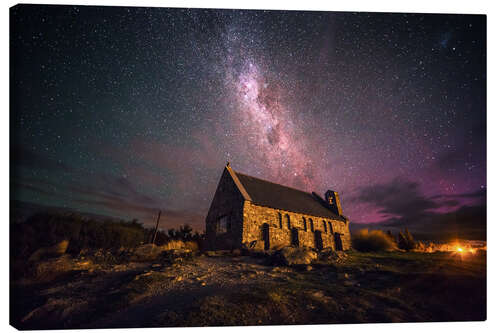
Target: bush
183, 234
180, 245
372, 241
45, 230
406, 241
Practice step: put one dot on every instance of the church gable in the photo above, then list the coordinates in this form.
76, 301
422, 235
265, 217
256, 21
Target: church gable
224, 218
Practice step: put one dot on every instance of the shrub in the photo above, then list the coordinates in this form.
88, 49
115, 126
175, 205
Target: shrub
391, 236
175, 244
47, 229
372, 241
406, 241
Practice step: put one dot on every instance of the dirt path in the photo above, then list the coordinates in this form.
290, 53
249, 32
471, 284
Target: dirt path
136, 294
177, 287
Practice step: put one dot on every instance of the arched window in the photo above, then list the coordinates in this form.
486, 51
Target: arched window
280, 220
305, 223
330, 225
312, 224
324, 226
288, 224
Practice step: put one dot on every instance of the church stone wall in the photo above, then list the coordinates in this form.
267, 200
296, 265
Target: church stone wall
228, 202
254, 218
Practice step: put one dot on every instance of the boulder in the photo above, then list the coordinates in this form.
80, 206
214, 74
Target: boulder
328, 254
294, 256
55, 250
331, 256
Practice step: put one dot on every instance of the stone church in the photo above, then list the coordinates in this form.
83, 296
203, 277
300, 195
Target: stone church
255, 213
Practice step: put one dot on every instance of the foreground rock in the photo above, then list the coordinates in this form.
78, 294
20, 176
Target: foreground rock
332, 257
291, 256
50, 251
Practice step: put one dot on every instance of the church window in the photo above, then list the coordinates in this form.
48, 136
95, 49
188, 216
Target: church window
223, 224
312, 224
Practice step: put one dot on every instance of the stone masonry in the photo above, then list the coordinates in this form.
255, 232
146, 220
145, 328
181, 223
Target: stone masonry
254, 217
254, 213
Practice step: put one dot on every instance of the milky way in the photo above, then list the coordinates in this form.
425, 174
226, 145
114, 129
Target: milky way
272, 137
139, 109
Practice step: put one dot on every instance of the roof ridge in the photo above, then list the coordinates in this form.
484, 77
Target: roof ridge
238, 183
270, 194
268, 181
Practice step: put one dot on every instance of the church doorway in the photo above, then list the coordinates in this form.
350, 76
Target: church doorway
338, 242
265, 236
318, 240
295, 237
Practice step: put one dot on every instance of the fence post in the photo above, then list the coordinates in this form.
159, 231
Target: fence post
156, 229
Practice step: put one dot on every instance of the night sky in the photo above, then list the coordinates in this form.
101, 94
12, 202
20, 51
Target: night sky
123, 111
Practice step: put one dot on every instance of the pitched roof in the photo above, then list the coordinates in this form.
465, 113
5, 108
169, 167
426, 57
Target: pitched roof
265, 193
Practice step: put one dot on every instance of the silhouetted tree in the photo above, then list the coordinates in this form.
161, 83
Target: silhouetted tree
406, 241
171, 233
185, 232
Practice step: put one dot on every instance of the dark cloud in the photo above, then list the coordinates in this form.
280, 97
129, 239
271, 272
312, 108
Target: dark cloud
117, 195
479, 194
122, 187
396, 199
170, 218
450, 203
428, 217
467, 222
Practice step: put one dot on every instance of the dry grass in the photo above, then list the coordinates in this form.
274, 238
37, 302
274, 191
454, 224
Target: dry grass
372, 241
180, 245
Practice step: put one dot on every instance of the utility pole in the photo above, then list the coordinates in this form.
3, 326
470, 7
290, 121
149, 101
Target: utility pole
156, 229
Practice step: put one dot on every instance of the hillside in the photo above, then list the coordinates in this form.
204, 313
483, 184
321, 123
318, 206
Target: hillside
183, 289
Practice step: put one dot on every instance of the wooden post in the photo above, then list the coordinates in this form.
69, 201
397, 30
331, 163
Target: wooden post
156, 229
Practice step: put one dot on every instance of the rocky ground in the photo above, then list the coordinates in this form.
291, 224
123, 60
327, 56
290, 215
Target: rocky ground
182, 289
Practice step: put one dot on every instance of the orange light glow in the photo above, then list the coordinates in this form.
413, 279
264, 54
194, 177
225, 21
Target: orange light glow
459, 249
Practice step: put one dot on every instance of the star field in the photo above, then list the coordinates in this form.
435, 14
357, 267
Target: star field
124, 111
